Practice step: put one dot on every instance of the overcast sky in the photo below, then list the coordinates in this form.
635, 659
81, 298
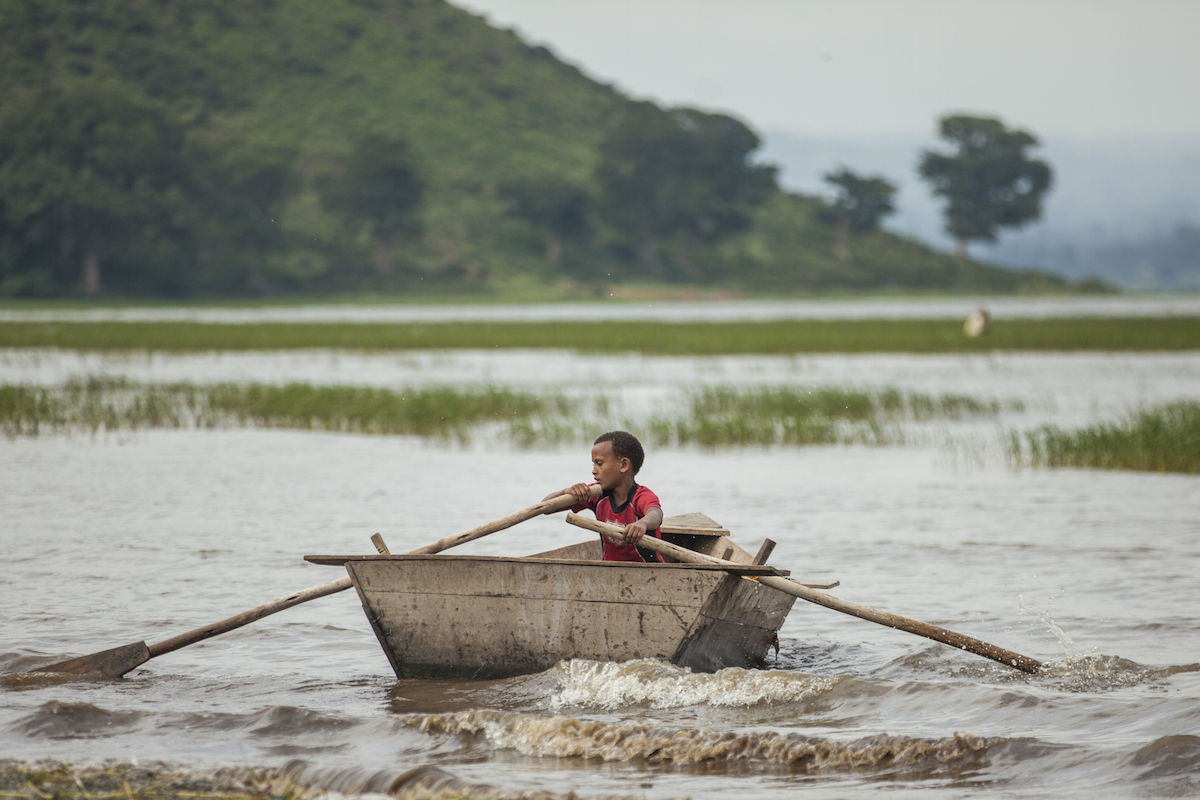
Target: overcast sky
864, 67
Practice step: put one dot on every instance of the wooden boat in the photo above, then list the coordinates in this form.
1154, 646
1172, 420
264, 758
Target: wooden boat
447, 616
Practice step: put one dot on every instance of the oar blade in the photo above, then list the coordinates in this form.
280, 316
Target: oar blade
107, 663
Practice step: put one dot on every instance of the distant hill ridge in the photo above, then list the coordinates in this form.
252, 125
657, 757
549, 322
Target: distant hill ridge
245, 108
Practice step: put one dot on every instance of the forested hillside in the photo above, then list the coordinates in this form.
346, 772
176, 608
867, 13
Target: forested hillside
204, 148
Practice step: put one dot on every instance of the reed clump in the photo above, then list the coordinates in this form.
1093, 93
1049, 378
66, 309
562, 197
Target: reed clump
724, 416
712, 417
1165, 438
103, 404
433, 412
91, 404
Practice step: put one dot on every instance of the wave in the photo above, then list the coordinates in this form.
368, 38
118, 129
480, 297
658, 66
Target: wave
290, 726
648, 682
645, 740
422, 783
1096, 672
296, 779
1169, 757
55, 720
1075, 673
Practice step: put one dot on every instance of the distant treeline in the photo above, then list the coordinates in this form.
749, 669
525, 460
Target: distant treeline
204, 148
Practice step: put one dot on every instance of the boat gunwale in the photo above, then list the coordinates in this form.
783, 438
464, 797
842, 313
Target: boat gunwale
748, 570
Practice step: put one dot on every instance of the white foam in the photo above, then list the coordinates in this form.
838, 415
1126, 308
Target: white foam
611, 686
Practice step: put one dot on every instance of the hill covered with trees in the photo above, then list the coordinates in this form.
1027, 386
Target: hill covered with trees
198, 148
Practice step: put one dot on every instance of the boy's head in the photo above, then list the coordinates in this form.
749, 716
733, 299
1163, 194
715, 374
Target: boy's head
616, 456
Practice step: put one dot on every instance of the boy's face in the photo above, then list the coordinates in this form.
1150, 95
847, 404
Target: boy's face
608, 470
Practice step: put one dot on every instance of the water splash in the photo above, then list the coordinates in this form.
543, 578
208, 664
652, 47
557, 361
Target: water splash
1068, 644
1097, 672
592, 684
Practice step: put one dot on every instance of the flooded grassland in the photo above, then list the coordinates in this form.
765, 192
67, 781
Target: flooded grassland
119, 532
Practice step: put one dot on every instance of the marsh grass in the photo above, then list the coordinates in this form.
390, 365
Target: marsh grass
1165, 438
91, 404
100, 404
714, 417
724, 416
684, 338
436, 412
711, 418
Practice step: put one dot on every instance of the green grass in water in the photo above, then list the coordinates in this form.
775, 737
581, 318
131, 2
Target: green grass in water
685, 338
722, 417
716, 417
104, 404
1162, 439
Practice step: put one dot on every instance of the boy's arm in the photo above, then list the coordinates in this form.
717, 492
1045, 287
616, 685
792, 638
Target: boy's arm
581, 491
636, 530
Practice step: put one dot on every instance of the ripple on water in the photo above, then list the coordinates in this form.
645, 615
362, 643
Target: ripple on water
55, 720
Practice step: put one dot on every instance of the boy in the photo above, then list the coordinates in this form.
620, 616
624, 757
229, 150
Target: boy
616, 458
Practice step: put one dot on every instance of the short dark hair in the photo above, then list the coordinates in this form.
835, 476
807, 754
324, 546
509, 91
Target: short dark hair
625, 445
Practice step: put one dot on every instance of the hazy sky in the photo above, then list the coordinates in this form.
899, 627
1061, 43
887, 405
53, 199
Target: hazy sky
1079, 67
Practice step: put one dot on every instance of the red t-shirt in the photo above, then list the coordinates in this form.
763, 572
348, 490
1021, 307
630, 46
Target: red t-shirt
640, 501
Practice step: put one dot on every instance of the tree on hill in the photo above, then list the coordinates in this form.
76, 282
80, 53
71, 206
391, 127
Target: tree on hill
988, 181
554, 204
218, 134
683, 175
860, 204
98, 189
249, 186
380, 184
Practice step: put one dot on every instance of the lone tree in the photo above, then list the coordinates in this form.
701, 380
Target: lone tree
988, 181
681, 175
860, 204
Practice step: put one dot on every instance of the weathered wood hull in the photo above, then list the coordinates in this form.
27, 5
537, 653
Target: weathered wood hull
482, 617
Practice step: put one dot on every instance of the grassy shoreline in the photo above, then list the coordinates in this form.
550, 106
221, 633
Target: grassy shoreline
1143, 334
1165, 438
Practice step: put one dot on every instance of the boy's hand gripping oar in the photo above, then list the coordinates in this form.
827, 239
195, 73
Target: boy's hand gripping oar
116, 662
1006, 657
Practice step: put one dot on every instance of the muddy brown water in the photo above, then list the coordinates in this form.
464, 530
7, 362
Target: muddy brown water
119, 537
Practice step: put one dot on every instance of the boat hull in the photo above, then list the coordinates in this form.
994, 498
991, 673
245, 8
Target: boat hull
483, 617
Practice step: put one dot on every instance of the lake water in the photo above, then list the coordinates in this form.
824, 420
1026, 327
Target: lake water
121, 537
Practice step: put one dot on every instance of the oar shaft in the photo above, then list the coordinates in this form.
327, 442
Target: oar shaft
958, 640
117, 661
559, 503
246, 617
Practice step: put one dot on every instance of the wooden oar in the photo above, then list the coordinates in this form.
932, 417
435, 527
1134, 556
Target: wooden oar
117, 661
971, 645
